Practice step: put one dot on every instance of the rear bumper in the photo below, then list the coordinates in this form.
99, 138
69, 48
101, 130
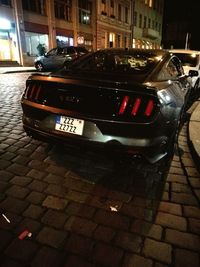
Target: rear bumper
151, 147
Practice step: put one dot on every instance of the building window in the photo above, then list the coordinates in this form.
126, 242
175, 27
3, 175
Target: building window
118, 41
103, 7
159, 28
33, 40
112, 13
149, 23
5, 2
85, 8
63, 9
140, 21
153, 24
125, 41
119, 12
156, 26
126, 14
111, 40
145, 21
63, 41
37, 6
135, 19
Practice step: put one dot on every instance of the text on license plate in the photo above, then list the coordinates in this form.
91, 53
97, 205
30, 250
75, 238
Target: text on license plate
69, 125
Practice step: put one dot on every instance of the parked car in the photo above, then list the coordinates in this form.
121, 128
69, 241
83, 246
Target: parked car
127, 100
56, 57
191, 63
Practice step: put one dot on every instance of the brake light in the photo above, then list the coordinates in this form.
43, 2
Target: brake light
149, 108
33, 92
136, 106
123, 105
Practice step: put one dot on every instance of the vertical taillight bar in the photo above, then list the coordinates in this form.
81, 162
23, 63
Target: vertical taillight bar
136, 106
123, 105
149, 108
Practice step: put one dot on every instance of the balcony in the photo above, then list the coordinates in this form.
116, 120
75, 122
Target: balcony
150, 33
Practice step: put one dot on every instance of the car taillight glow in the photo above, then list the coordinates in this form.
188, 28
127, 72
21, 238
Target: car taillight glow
136, 106
149, 108
123, 105
33, 92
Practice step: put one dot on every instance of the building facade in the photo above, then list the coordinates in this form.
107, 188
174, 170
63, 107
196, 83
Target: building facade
113, 23
27, 26
147, 23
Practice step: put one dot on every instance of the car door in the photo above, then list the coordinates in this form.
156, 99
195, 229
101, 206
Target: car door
49, 59
59, 59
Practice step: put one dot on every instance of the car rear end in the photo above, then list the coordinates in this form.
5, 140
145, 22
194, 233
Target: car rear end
103, 107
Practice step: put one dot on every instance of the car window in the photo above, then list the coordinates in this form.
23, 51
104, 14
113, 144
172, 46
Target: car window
60, 51
190, 60
178, 65
81, 50
52, 52
70, 50
121, 62
171, 70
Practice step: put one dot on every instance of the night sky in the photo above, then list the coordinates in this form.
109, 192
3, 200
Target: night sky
181, 11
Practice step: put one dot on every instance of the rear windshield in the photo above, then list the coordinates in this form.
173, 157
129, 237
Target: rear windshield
190, 60
118, 62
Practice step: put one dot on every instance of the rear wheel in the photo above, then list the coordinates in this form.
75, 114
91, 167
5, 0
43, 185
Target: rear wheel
196, 88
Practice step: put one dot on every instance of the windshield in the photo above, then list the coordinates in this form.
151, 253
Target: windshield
123, 63
189, 60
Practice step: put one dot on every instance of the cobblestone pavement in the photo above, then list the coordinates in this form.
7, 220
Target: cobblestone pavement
85, 209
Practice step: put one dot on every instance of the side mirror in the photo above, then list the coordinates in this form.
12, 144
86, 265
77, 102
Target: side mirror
193, 73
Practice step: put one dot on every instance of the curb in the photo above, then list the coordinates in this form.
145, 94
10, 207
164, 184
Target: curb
4, 71
192, 130
14, 71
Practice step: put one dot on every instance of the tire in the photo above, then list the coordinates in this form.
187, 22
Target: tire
173, 143
39, 66
196, 89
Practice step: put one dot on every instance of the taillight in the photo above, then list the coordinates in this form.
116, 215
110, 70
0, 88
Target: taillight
137, 106
123, 105
33, 92
149, 108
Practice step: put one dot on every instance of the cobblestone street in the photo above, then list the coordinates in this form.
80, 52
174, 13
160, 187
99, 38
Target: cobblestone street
88, 209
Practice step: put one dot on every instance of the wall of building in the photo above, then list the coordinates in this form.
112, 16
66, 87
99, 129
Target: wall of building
147, 30
111, 24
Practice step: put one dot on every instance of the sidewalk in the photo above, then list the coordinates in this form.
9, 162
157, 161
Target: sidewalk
194, 133
16, 69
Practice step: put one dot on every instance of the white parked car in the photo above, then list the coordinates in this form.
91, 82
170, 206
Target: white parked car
191, 63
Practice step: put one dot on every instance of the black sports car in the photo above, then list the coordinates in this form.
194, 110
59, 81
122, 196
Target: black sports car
131, 100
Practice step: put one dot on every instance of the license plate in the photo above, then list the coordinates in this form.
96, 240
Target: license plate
69, 125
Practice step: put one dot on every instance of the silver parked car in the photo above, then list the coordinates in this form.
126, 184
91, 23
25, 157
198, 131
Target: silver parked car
57, 57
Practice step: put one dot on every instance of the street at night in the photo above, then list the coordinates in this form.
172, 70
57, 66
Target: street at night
72, 207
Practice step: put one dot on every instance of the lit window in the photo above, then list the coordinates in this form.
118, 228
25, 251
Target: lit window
85, 8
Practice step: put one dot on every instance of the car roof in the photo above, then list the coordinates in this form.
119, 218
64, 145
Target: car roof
154, 51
